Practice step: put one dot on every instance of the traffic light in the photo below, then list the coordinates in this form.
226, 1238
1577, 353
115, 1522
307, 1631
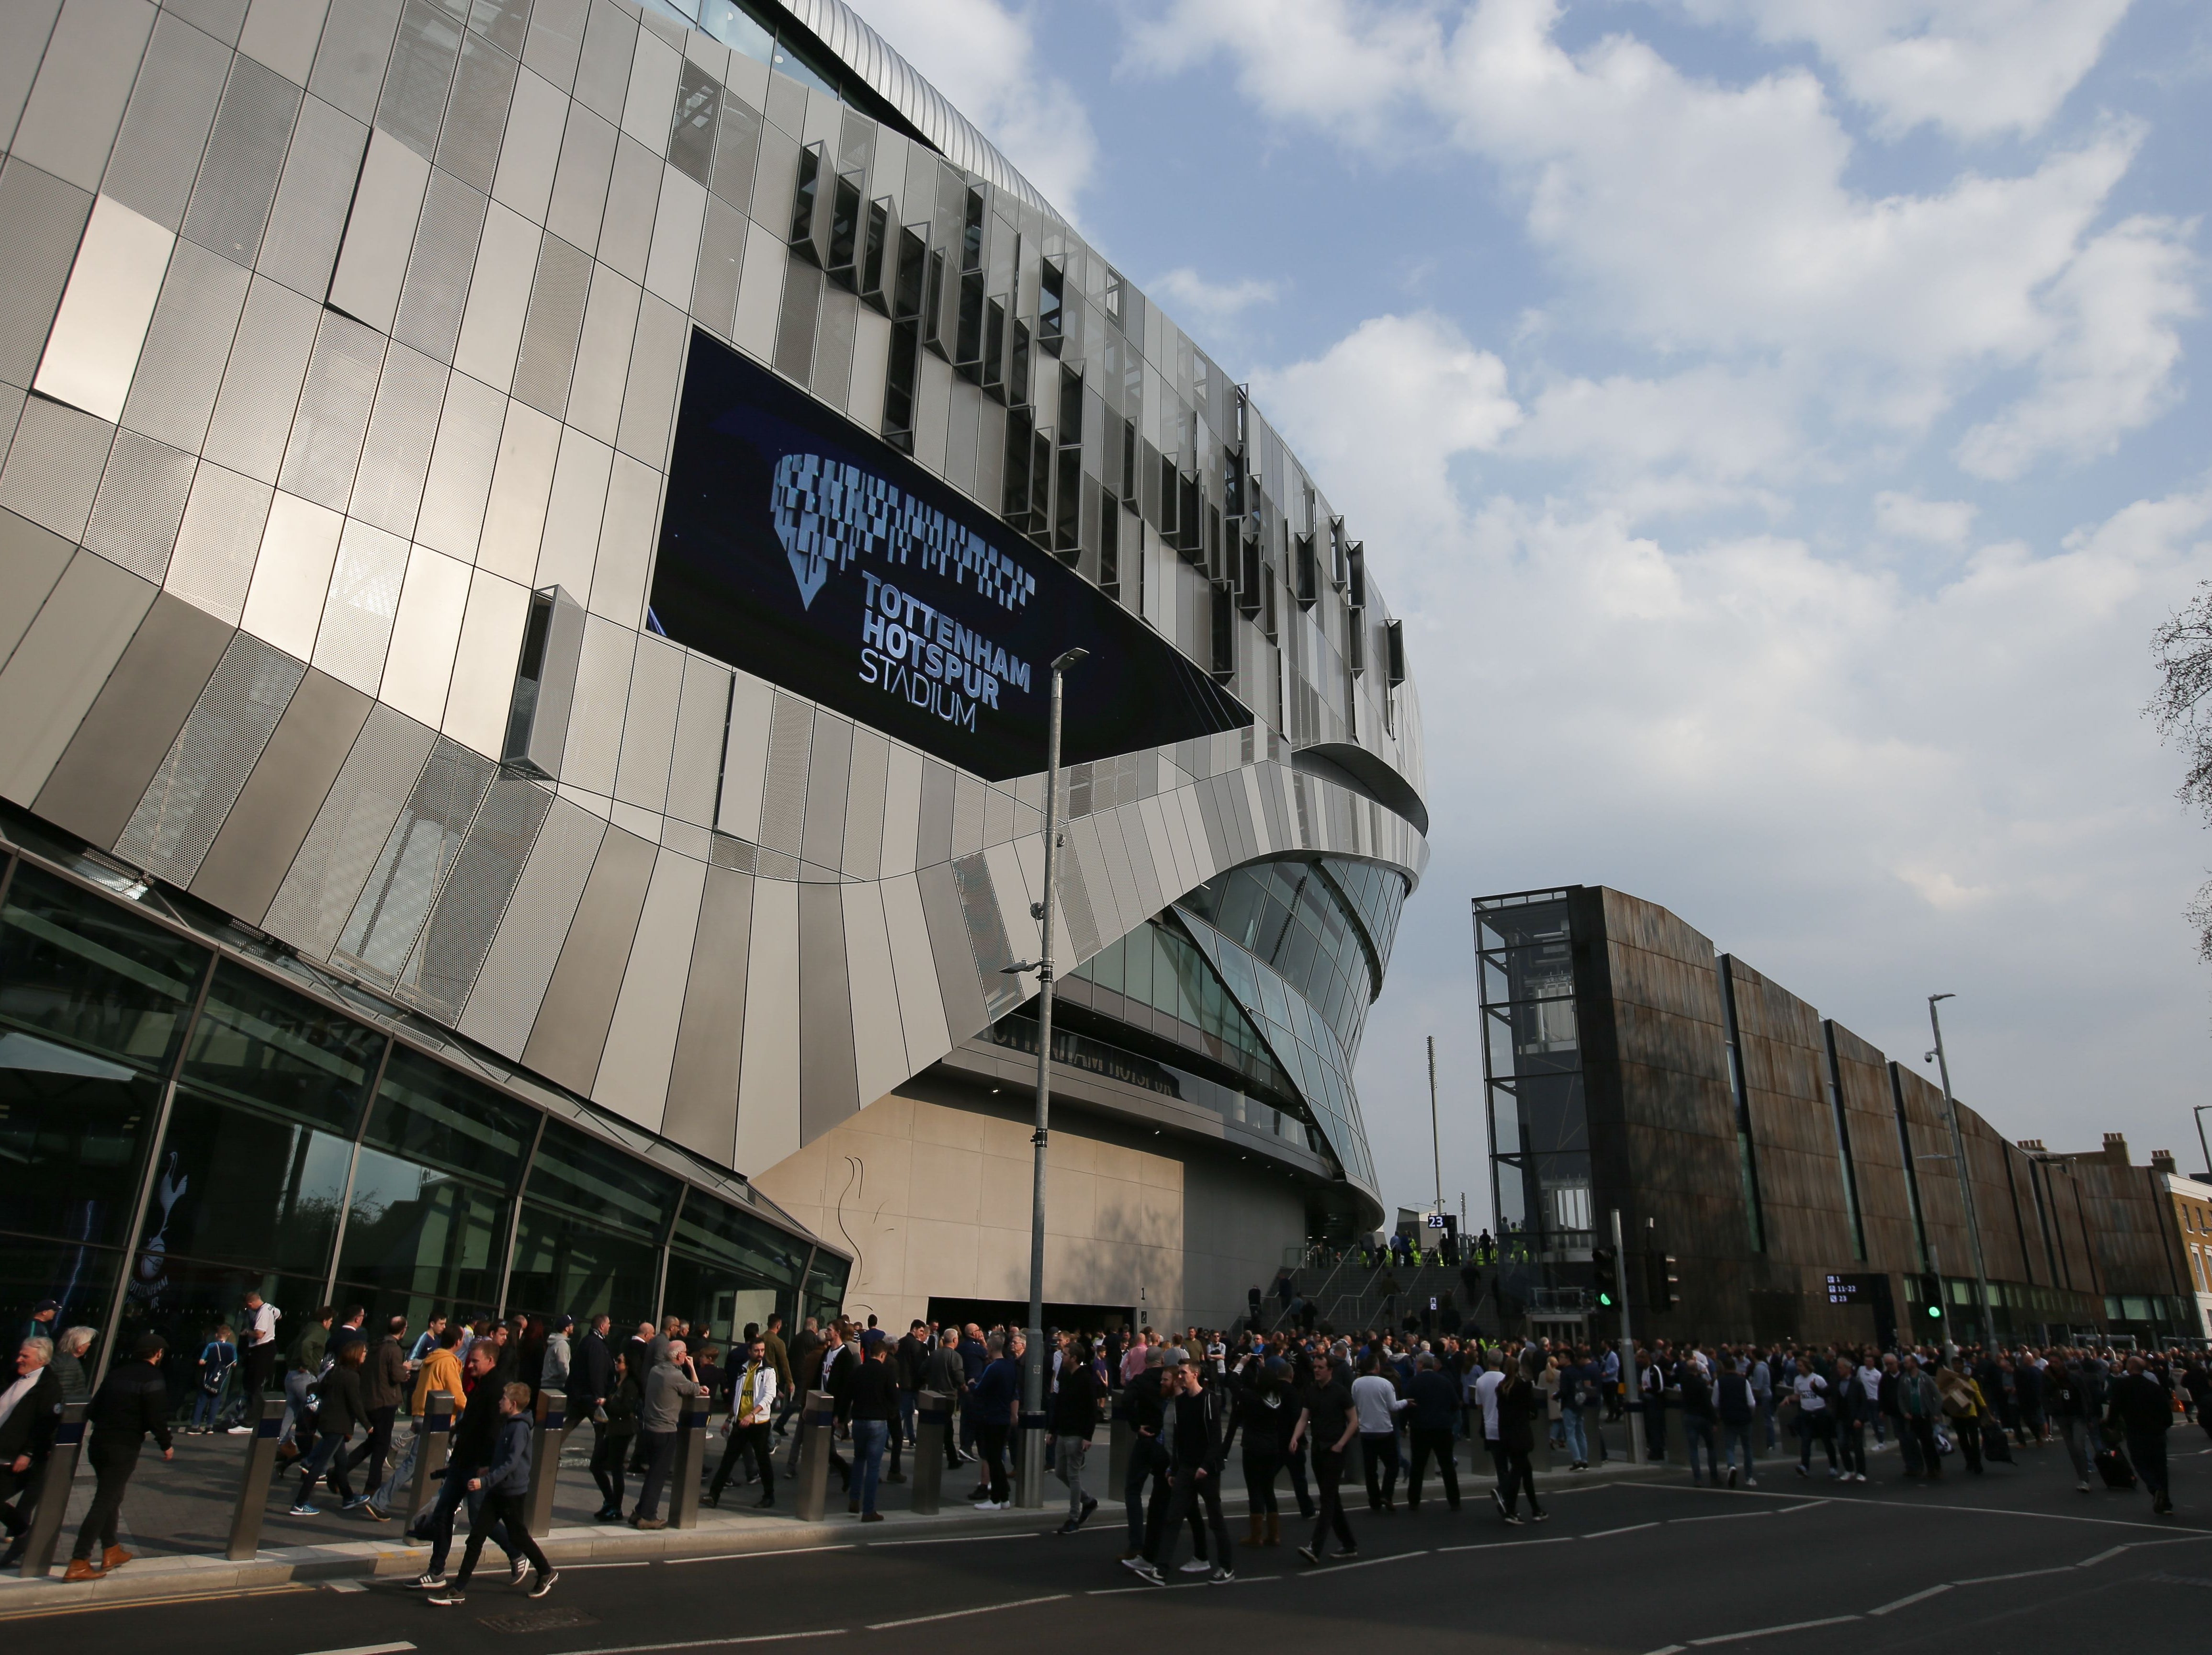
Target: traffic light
1666, 1284
1605, 1271
1931, 1296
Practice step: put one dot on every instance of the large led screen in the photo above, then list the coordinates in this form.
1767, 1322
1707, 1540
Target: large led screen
807, 552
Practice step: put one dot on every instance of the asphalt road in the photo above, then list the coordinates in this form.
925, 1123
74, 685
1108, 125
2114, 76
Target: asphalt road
1634, 1567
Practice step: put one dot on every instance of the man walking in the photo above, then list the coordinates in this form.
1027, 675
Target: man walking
2143, 1410
749, 1432
476, 1438
1074, 1417
500, 1486
27, 1410
1192, 1445
998, 1394
133, 1400
947, 1375
668, 1390
383, 1383
1328, 1416
1434, 1399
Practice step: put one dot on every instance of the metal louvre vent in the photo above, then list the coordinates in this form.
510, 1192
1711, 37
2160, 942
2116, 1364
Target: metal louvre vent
207, 764
986, 935
444, 966
349, 830
783, 798
417, 855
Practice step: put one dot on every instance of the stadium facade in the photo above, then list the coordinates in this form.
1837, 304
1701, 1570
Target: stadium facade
530, 540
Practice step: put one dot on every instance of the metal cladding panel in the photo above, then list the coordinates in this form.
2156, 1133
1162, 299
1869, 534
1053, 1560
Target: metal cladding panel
555, 40
395, 458
595, 724
57, 671
702, 722
656, 687
702, 1111
54, 465
783, 794
553, 325
933, 833
237, 187
157, 154
207, 764
335, 402
83, 81
351, 57
282, 35
641, 1048
768, 1081
829, 1090
413, 101
879, 1055
1075, 910
140, 504
277, 808
386, 202
626, 227
127, 733
312, 905
32, 560
580, 177
468, 146
529, 149
511, 986
261, 387
864, 804
571, 1027
416, 858
435, 290
443, 967
823, 842
45, 218
180, 367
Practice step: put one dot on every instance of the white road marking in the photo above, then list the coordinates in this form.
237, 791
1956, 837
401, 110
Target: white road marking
712, 1643
1917, 1597
1493, 1545
951, 1540
1602, 1533
368, 1649
1360, 1563
1772, 1631
957, 1613
787, 1551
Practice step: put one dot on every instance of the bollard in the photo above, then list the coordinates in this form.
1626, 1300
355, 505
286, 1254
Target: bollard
816, 1422
933, 1417
54, 1479
1029, 1445
253, 1483
435, 1434
690, 1463
545, 1459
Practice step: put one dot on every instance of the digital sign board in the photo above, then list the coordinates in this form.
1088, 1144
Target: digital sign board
807, 552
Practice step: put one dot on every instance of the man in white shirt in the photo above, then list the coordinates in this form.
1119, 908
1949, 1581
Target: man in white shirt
1377, 1402
1816, 1420
257, 1357
751, 1409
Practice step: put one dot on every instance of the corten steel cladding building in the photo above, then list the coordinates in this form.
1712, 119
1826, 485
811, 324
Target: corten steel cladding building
1791, 1179
530, 540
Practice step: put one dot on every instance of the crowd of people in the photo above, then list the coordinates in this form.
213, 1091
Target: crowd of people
1290, 1404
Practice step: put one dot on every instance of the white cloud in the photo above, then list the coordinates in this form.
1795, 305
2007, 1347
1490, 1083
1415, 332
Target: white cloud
1192, 294
1977, 68
1908, 517
984, 57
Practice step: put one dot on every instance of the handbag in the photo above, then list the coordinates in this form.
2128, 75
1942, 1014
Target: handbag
1943, 1443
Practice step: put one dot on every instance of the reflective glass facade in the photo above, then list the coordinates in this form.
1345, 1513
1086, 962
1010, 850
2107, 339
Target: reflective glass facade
179, 1123
1533, 1066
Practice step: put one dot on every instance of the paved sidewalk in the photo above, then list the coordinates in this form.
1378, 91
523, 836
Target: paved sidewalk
179, 1516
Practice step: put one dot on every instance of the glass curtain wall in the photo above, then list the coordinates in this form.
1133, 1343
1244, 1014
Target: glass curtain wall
1532, 1066
176, 1128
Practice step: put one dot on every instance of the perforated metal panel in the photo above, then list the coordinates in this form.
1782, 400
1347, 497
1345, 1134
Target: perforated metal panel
261, 386
180, 366
452, 947
364, 597
213, 563
550, 329
416, 856
310, 214
350, 59
783, 796
245, 157
395, 457
351, 828
504, 1002
54, 464
140, 505
467, 148
210, 759
413, 103
45, 217
335, 401
165, 129
437, 284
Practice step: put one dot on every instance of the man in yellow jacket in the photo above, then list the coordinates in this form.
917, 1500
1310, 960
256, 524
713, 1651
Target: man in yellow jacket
440, 1371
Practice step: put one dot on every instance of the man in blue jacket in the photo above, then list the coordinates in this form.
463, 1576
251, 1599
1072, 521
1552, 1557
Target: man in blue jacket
1434, 1395
503, 1484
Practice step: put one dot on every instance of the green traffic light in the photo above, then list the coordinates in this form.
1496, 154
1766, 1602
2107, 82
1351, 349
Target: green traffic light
1933, 1310
1605, 1299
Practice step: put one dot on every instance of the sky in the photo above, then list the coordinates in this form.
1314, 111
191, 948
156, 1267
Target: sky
1777, 425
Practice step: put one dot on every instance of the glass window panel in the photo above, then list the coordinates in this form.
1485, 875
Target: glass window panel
1522, 925
184, 1300
825, 1285
72, 1131
580, 1175
431, 1115
258, 1041
87, 971
424, 1233
566, 1263
710, 1297
243, 1186
1138, 959
717, 1232
81, 1279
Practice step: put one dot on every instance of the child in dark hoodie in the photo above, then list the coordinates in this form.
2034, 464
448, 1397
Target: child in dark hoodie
503, 1484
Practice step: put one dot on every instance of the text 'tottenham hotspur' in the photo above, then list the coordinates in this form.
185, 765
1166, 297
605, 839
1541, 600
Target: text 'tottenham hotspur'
828, 513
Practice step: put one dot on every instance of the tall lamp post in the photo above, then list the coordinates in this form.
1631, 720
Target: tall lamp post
1985, 1322
1032, 1435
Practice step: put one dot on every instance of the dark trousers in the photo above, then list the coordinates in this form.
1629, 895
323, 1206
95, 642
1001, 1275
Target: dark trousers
1328, 1471
1295, 1460
255, 1364
2147, 1452
1655, 1429
1133, 1490
22, 1488
113, 1471
1438, 1444
500, 1511
608, 1454
1924, 1438
330, 1450
1261, 1463
991, 1444
377, 1449
747, 1440
1519, 1477
1378, 1450
1189, 1493
1967, 1433
660, 1448
1818, 1427
439, 1524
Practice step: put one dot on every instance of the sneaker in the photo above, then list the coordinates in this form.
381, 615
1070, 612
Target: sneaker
1834, 1475
240, 1431
1515, 1518
1349, 1551
1089, 1505
1731, 1477
991, 1506
1751, 1482
1539, 1516
1150, 1576
427, 1582
544, 1583
1309, 1556
1221, 1577
1196, 1566
355, 1504
1133, 1560
1498, 1500
1858, 1477
306, 1511
448, 1598
374, 1513
1804, 1472
1068, 1527
2083, 1487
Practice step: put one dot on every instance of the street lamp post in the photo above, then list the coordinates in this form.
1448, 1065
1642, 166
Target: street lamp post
1032, 1436
1985, 1322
